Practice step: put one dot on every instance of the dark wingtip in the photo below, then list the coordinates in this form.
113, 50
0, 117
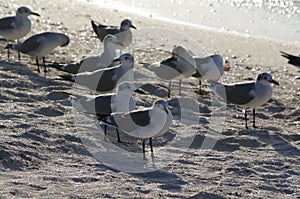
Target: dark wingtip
67, 77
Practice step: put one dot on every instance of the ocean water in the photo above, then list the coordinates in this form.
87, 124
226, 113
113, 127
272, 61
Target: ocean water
272, 19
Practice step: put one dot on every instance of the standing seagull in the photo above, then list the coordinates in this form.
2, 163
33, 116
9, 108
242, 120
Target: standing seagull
209, 68
179, 66
105, 80
123, 33
294, 60
93, 63
145, 123
248, 95
40, 45
105, 104
16, 27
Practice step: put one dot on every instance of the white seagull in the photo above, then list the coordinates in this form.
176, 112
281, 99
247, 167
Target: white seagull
16, 27
123, 33
40, 45
92, 63
247, 95
145, 123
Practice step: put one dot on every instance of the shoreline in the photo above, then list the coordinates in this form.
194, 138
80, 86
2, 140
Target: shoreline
214, 21
258, 51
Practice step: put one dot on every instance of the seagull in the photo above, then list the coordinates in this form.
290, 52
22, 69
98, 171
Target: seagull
208, 68
40, 45
16, 27
105, 104
123, 33
105, 80
179, 66
294, 60
248, 95
146, 123
93, 63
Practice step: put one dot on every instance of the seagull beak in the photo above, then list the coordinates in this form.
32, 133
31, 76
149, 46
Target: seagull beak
36, 14
274, 82
132, 26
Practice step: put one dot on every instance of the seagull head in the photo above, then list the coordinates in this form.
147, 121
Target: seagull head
112, 39
126, 59
126, 86
266, 78
24, 12
126, 24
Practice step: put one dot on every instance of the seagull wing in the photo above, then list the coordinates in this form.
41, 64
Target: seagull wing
130, 121
102, 30
7, 23
237, 94
31, 44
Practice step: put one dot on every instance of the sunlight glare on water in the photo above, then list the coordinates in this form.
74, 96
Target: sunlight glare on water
273, 19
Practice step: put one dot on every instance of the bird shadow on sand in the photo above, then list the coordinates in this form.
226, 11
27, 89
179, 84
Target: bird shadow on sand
204, 142
205, 195
281, 142
168, 181
22, 69
26, 155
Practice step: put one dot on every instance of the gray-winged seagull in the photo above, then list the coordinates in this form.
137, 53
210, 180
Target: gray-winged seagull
145, 123
105, 80
92, 63
123, 33
248, 95
179, 66
16, 27
40, 45
105, 104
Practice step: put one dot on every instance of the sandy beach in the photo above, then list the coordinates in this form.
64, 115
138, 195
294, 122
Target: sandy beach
49, 150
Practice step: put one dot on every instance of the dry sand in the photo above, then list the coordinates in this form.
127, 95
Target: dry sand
42, 153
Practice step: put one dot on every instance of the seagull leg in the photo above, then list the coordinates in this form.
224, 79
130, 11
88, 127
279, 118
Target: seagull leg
44, 63
200, 83
180, 87
8, 52
169, 89
254, 126
118, 134
143, 145
105, 131
150, 143
246, 119
19, 54
37, 63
